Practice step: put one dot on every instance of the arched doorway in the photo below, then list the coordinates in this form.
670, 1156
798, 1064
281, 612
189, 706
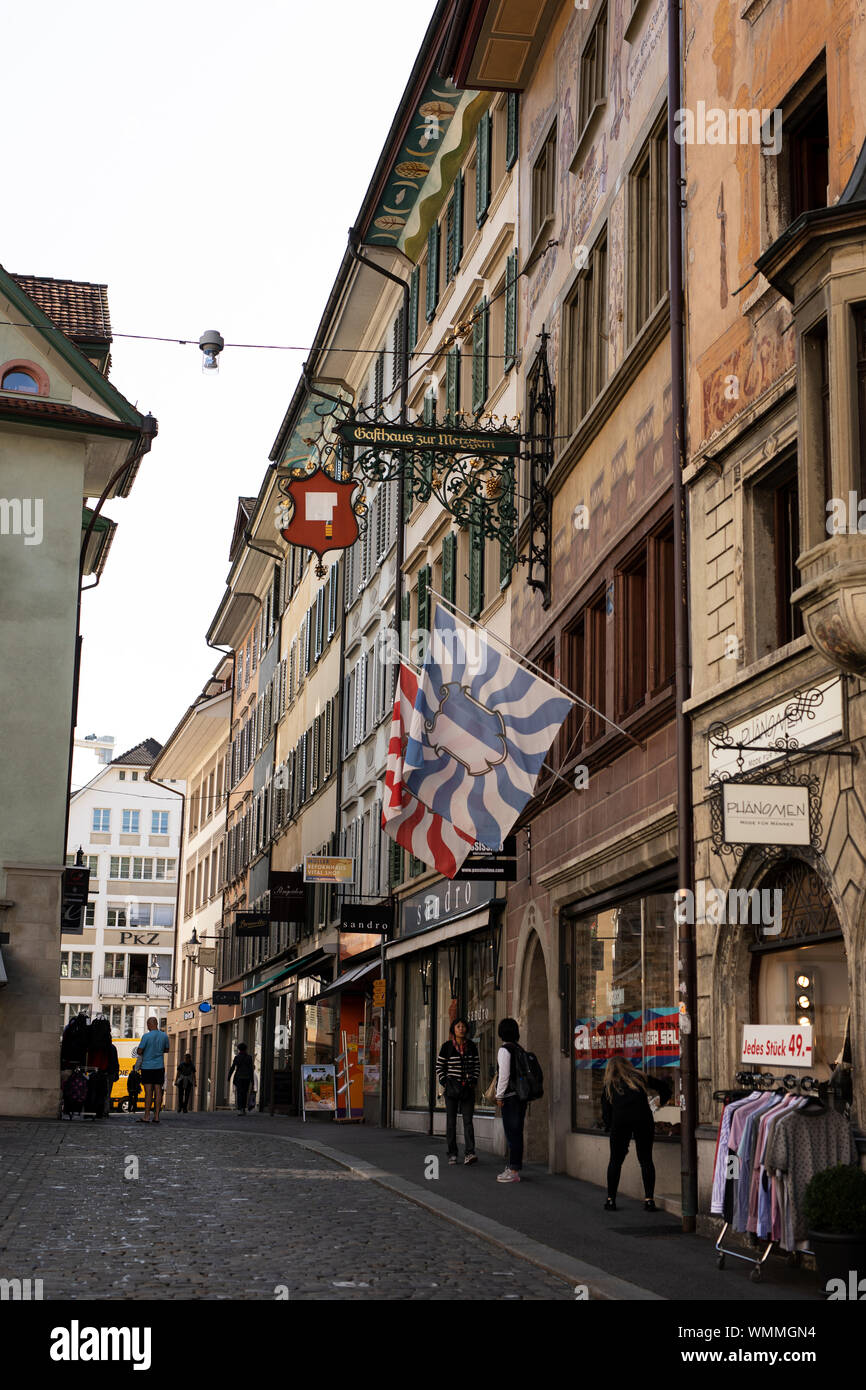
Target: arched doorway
535, 1036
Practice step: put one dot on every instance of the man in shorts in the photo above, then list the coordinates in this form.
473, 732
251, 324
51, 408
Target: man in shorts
152, 1050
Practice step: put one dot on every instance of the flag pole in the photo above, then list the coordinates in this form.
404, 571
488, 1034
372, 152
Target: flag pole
544, 674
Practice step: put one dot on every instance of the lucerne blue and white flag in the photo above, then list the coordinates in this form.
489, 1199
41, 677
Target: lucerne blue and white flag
481, 728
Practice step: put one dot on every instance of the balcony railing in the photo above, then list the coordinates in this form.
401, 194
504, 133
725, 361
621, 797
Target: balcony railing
118, 989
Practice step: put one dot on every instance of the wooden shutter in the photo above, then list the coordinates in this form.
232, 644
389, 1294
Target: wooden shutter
320, 622
458, 220
511, 311
329, 738
395, 863
332, 599
452, 382
482, 168
308, 640
479, 356
397, 370
379, 382
511, 130
449, 566
429, 419
432, 270
414, 289
424, 578
476, 566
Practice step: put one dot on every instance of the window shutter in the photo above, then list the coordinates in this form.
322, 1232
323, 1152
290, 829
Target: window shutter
458, 220
349, 574
479, 356
397, 370
414, 290
362, 699
432, 270
449, 566
424, 578
511, 130
476, 566
320, 621
452, 382
482, 169
317, 747
379, 382
332, 600
395, 863
407, 480
511, 311
308, 640
450, 265
329, 738
427, 458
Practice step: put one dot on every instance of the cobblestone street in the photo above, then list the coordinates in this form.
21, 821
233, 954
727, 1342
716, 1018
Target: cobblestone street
220, 1212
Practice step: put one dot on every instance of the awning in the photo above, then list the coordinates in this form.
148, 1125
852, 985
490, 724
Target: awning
350, 979
459, 926
292, 967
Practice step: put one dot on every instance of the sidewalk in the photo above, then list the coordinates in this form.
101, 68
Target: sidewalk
553, 1220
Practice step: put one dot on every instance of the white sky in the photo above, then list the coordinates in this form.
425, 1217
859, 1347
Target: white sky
205, 161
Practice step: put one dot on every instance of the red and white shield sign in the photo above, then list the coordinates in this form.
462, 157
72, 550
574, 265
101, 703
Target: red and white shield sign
323, 518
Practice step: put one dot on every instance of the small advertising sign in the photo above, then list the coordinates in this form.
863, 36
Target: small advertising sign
378, 994
288, 899
252, 924
319, 1087
361, 917
226, 996
777, 1044
321, 868
765, 813
497, 862
76, 884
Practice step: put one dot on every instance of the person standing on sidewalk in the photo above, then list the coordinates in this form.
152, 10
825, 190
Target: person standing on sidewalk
242, 1067
511, 1108
458, 1067
152, 1050
626, 1112
184, 1081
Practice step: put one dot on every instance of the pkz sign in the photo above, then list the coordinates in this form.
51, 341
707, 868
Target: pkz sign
765, 813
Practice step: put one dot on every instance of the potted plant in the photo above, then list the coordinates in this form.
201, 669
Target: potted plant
834, 1205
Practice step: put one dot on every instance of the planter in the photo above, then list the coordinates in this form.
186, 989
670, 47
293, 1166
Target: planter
837, 1255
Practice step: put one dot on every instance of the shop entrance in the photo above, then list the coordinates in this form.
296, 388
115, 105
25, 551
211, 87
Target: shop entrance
535, 1037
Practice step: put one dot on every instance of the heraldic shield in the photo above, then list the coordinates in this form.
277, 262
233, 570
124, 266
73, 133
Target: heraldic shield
323, 517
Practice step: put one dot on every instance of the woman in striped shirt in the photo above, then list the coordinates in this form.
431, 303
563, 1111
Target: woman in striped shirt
457, 1068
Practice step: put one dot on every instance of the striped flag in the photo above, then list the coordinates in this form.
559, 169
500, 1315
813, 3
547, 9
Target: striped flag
406, 819
481, 728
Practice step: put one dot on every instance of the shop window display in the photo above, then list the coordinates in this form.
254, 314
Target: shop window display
626, 1000
418, 1025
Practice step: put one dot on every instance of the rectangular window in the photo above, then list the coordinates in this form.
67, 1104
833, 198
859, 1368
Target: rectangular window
482, 167
432, 271
454, 230
593, 72
159, 821
644, 605
130, 822
860, 368
587, 333
76, 965
511, 129
774, 550
101, 821
90, 915
116, 917
807, 141
115, 965
544, 186
480, 333
648, 256
511, 300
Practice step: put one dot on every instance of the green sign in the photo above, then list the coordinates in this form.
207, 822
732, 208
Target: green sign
444, 441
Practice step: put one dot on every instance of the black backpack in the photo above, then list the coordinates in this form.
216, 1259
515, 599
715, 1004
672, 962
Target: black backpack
528, 1078
74, 1045
99, 1037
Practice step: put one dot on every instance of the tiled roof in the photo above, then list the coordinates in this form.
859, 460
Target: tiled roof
144, 754
77, 307
19, 404
248, 504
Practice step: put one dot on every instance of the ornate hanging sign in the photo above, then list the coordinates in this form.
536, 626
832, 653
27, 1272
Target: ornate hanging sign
318, 513
442, 441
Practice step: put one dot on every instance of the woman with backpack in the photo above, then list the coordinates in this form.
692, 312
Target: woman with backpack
458, 1067
626, 1113
511, 1107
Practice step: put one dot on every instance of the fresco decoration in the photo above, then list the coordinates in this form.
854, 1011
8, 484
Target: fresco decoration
748, 369
412, 164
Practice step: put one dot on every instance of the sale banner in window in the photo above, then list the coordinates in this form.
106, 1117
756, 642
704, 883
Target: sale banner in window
652, 1037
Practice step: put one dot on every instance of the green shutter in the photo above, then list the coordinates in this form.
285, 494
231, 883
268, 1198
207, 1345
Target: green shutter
425, 575
414, 283
511, 311
476, 565
479, 356
449, 566
482, 168
452, 383
407, 481
427, 458
458, 221
432, 270
395, 864
511, 131
506, 521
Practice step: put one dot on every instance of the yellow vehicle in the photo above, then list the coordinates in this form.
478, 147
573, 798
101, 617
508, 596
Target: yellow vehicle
126, 1056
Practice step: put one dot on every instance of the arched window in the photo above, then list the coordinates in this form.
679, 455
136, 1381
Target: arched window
18, 380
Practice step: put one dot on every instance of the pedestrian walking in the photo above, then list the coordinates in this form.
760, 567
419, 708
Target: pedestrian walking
457, 1067
184, 1081
627, 1115
133, 1087
242, 1067
511, 1107
152, 1050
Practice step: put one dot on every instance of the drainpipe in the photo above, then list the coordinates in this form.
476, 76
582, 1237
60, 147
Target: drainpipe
354, 244
685, 843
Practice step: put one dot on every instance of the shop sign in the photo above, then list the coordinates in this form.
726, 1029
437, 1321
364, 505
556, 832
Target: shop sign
76, 885
188, 1013
320, 868
777, 1044
445, 441
803, 719
378, 994
491, 862
652, 1036
319, 1087
226, 996
765, 813
322, 517
361, 917
288, 896
249, 924
442, 902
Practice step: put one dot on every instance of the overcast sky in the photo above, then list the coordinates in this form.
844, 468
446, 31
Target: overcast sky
205, 161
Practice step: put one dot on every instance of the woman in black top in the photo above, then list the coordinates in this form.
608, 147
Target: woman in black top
184, 1082
457, 1068
626, 1113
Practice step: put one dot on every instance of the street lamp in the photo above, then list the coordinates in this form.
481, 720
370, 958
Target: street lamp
211, 343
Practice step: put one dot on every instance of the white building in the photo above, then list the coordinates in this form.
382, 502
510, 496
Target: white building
129, 831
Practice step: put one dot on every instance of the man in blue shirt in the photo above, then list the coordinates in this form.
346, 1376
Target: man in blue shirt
152, 1050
